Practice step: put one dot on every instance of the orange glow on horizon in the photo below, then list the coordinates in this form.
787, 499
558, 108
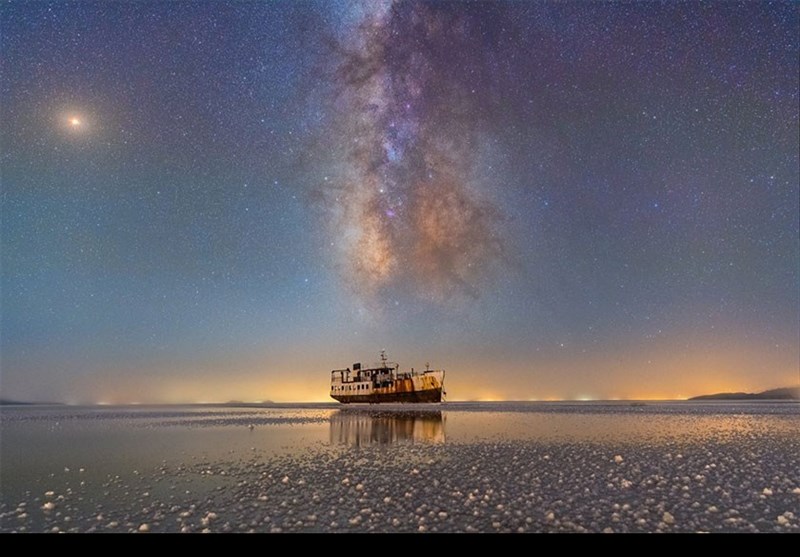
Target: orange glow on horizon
670, 371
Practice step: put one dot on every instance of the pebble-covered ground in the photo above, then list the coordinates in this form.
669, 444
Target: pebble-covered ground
672, 468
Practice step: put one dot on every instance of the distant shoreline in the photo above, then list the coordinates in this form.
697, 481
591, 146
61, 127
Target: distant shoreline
24, 403
767, 396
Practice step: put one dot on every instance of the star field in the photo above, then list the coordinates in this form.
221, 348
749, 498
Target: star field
209, 202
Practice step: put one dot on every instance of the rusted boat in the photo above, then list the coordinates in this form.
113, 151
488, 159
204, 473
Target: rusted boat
384, 382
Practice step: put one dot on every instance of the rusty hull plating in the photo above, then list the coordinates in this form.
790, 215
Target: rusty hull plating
386, 383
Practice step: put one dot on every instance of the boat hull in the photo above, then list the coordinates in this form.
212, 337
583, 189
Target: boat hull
428, 395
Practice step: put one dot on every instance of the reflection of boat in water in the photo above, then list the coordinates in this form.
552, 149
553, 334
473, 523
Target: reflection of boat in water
384, 382
360, 428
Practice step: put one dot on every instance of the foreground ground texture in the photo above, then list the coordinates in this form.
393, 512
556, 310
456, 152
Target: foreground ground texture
461, 468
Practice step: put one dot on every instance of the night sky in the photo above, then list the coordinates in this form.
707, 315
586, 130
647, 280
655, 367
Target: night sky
206, 201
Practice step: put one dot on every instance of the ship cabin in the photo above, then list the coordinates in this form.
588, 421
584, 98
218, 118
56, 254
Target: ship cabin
357, 379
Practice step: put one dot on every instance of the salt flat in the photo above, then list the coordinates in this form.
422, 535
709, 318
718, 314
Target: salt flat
456, 467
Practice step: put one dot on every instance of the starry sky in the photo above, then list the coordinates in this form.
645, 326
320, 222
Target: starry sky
214, 201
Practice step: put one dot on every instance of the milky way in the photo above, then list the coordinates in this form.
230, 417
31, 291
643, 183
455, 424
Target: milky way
411, 212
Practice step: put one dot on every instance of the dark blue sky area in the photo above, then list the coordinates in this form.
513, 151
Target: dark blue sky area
208, 201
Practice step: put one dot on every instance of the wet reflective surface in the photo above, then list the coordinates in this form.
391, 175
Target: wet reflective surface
714, 466
357, 427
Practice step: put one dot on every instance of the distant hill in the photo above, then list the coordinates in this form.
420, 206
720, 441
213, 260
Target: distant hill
243, 403
5, 402
786, 393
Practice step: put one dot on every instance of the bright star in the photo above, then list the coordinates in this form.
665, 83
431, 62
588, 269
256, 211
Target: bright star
74, 123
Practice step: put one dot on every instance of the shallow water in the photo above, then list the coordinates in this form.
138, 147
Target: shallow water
711, 466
